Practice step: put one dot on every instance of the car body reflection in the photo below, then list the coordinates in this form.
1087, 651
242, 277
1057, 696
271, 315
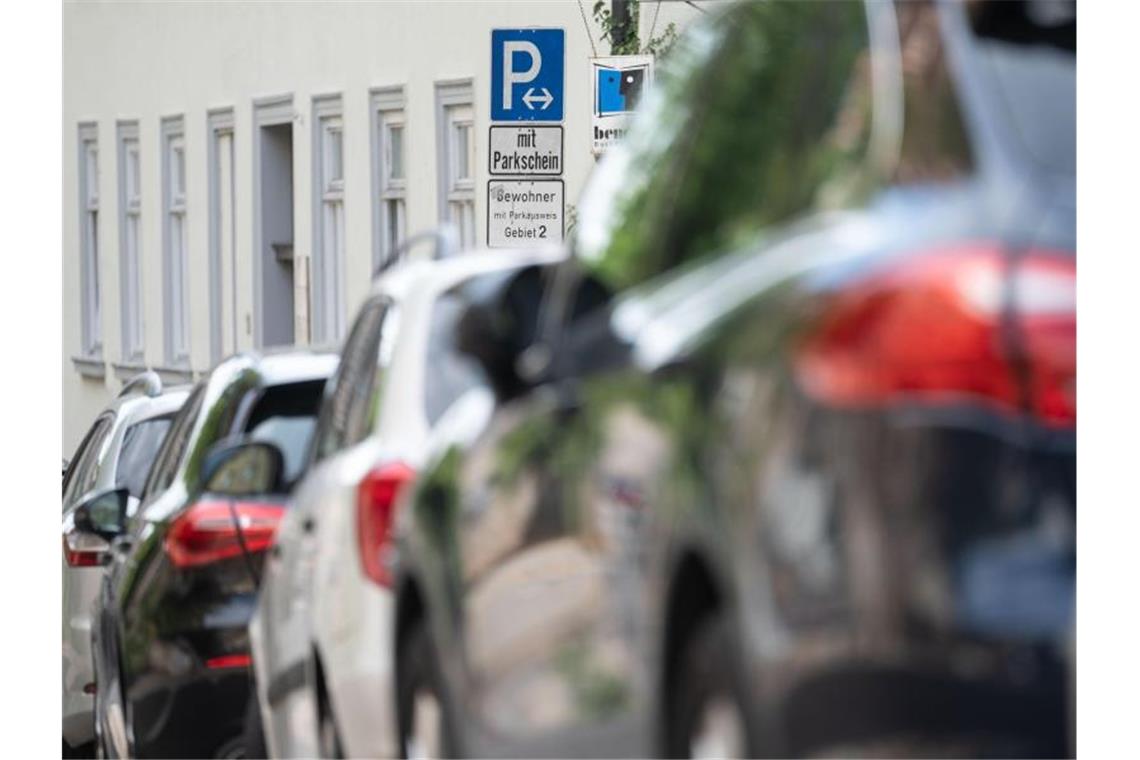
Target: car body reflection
795, 474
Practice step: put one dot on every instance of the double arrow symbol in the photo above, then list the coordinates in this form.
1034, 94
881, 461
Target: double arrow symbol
530, 98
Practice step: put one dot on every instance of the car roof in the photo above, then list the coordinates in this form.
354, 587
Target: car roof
279, 365
144, 395
413, 275
138, 408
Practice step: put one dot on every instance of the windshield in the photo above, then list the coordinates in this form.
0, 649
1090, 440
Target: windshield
140, 446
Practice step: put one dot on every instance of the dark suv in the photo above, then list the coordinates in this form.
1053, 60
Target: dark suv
172, 657
783, 462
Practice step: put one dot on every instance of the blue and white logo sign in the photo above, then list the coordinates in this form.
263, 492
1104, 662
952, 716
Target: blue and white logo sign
618, 82
527, 74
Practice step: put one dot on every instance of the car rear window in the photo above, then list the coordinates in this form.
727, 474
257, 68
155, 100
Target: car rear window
140, 446
285, 415
1028, 52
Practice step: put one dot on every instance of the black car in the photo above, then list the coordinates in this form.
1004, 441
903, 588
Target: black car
169, 635
788, 466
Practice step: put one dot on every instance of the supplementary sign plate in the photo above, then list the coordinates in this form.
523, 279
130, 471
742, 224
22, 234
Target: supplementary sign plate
525, 150
524, 212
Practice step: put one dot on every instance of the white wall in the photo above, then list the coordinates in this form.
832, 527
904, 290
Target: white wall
145, 61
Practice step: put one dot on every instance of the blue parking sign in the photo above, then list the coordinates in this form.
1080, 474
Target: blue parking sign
527, 74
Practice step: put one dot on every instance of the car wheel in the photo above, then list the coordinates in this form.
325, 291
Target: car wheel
328, 737
254, 736
100, 744
424, 725
82, 751
708, 717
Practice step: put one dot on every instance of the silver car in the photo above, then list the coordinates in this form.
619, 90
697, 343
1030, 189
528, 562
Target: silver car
322, 633
116, 453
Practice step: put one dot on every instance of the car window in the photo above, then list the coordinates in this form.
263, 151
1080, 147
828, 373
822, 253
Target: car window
450, 373
141, 442
77, 458
762, 116
170, 455
935, 147
84, 468
347, 412
285, 415
1028, 53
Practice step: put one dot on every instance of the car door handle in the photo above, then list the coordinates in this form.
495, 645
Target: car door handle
308, 525
275, 552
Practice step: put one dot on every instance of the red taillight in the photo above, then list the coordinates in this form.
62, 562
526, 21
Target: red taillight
229, 661
206, 533
1046, 291
83, 550
375, 503
935, 329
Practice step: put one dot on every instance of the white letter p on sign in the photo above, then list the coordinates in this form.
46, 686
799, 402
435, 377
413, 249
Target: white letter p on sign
510, 76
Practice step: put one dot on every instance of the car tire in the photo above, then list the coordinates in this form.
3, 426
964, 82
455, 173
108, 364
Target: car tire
424, 720
82, 751
253, 736
708, 715
329, 744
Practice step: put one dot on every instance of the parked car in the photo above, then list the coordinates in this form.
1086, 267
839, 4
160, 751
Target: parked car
789, 468
321, 634
115, 454
169, 639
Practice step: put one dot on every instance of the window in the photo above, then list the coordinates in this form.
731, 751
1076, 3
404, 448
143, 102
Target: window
449, 372
140, 444
130, 262
166, 463
79, 472
223, 264
934, 147
348, 412
1026, 53
389, 181
329, 228
176, 270
460, 183
90, 330
456, 151
285, 416
722, 168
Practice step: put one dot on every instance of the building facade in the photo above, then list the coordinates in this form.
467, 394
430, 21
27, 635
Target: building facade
234, 172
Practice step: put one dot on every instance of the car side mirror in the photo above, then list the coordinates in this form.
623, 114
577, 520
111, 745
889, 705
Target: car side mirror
90, 527
243, 468
104, 514
498, 323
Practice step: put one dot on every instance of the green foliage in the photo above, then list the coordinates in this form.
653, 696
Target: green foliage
662, 44
739, 145
597, 692
605, 19
658, 46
